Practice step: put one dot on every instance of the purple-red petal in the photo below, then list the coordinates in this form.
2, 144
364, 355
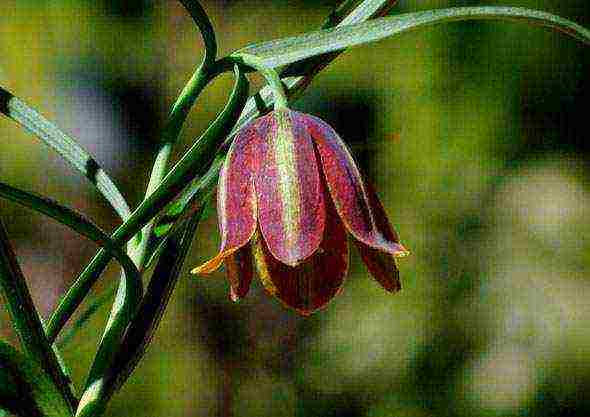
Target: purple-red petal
240, 270
381, 265
313, 283
291, 212
358, 207
236, 199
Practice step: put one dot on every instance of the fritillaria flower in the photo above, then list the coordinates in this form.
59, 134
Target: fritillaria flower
289, 192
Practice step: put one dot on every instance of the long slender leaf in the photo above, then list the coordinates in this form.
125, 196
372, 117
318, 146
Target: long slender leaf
122, 312
192, 198
201, 19
27, 322
159, 291
191, 90
347, 13
93, 306
193, 163
178, 115
25, 389
368, 9
66, 146
285, 51
95, 396
187, 97
143, 327
81, 225
130, 289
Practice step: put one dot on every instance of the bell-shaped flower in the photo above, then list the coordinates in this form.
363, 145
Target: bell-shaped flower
289, 192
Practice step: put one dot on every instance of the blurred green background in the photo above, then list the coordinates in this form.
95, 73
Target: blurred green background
475, 135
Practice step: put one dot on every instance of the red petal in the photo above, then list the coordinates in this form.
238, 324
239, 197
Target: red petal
354, 203
382, 266
236, 199
239, 270
291, 209
312, 284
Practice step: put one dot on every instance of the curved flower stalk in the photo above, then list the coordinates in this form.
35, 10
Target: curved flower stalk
289, 192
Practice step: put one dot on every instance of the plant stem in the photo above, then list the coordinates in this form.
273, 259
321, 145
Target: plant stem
272, 77
176, 119
95, 395
27, 322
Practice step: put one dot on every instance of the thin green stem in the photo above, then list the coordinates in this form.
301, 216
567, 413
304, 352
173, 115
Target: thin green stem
94, 396
164, 279
179, 113
192, 164
272, 78
27, 322
278, 89
199, 16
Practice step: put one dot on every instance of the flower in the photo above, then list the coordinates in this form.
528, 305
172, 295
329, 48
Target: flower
289, 191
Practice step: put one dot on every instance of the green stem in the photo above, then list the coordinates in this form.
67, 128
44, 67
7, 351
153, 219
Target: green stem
94, 396
27, 322
176, 119
272, 77
164, 279
168, 187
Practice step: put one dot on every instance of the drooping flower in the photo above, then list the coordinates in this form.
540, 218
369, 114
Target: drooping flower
289, 191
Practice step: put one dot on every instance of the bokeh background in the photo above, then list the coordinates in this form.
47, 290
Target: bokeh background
475, 135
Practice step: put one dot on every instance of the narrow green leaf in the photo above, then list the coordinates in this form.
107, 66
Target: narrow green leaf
94, 305
192, 164
178, 115
142, 329
27, 322
285, 51
366, 10
186, 99
164, 279
347, 13
191, 199
95, 396
81, 225
201, 19
25, 389
66, 146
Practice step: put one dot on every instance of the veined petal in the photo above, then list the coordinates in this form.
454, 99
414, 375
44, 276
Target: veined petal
291, 211
239, 269
358, 207
381, 265
313, 283
236, 199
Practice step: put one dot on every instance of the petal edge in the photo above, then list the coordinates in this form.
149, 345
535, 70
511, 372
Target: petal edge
356, 203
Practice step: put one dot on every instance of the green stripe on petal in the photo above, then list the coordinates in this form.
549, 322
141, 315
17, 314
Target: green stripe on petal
291, 210
284, 157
